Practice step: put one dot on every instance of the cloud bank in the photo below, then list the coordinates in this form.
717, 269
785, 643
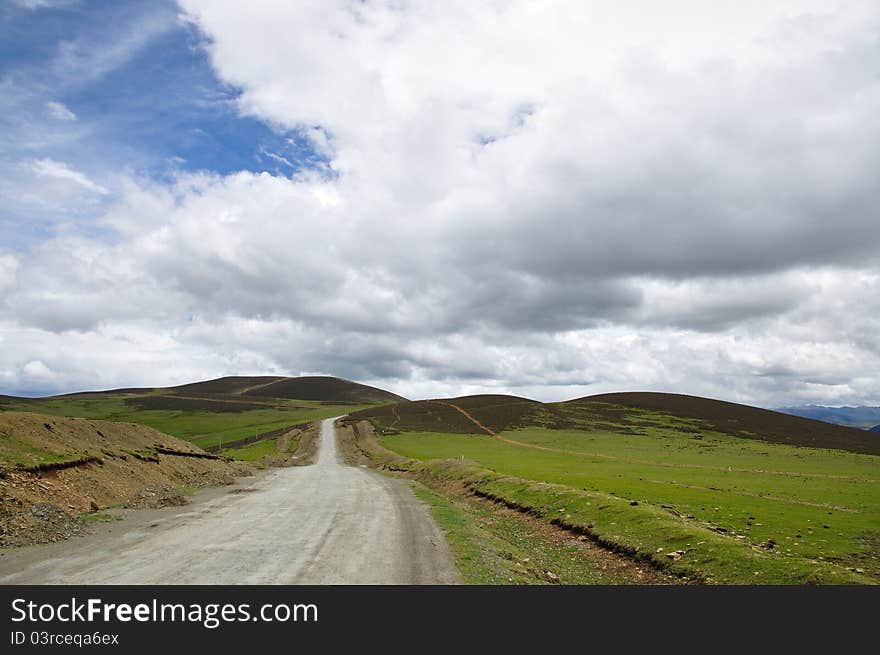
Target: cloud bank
551, 199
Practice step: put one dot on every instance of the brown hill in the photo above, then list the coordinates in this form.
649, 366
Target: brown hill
496, 412
231, 385
739, 420
323, 388
115, 392
229, 394
628, 413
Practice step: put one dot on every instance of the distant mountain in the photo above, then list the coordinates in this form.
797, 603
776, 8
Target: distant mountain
853, 417
876, 428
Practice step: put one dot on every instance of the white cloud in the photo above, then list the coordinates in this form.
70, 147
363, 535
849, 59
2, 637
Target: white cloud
60, 111
547, 200
37, 371
55, 170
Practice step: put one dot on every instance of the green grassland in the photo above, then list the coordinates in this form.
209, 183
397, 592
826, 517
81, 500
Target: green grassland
814, 506
16, 454
203, 426
252, 452
492, 548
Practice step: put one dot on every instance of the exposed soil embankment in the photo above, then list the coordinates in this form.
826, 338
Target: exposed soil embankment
53, 469
294, 447
307, 441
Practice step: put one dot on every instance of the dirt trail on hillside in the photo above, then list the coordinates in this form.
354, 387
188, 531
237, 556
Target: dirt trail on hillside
470, 417
323, 524
580, 453
473, 419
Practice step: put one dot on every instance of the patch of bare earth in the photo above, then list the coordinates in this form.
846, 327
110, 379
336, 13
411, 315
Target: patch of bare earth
42, 523
306, 445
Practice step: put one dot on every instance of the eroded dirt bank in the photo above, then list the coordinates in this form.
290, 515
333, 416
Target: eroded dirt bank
53, 469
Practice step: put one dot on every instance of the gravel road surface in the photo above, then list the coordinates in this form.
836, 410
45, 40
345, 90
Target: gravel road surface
322, 524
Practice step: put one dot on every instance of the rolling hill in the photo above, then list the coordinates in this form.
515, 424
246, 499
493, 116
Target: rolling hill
746, 421
233, 384
217, 412
497, 412
624, 413
717, 491
323, 388
876, 428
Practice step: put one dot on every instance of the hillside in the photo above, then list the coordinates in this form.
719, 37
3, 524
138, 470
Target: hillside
219, 412
323, 388
233, 384
53, 469
716, 491
624, 413
876, 428
248, 389
496, 412
739, 420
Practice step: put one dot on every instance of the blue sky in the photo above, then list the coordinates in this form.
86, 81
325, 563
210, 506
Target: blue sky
105, 86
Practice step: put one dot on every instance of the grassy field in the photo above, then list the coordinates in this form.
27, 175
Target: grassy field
202, 426
492, 547
811, 505
252, 452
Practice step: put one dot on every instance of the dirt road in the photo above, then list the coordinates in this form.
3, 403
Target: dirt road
323, 524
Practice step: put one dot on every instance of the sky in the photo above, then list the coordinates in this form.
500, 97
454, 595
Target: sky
551, 199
